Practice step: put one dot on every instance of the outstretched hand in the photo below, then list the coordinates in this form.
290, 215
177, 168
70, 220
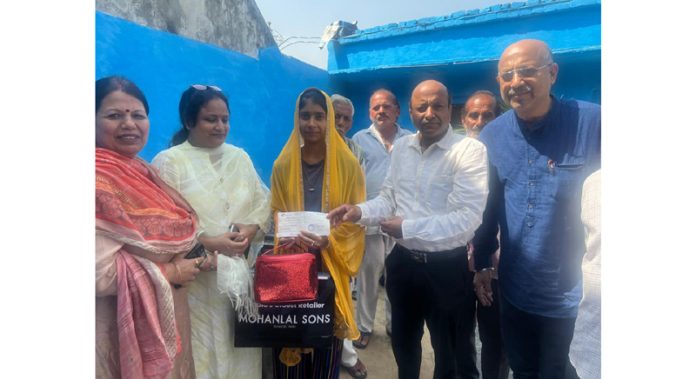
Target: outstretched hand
344, 213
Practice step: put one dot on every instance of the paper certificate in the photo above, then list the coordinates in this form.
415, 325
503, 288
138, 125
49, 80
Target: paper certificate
290, 223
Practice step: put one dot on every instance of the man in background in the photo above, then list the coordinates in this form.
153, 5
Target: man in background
480, 109
344, 111
376, 143
586, 348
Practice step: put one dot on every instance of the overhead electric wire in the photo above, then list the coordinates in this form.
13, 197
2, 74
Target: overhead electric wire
296, 42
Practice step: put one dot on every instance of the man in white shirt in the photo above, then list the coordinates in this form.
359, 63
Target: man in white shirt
376, 144
431, 202
586, 347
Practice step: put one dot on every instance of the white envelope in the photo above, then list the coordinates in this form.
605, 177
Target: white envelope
290, 223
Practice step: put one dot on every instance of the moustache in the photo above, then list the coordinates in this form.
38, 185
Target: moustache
519, 90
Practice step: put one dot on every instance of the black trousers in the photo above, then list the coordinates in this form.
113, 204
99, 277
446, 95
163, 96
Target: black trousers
494, 364
537, 346
438, 292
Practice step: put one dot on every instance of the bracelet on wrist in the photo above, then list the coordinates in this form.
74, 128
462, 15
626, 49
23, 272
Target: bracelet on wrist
178, 272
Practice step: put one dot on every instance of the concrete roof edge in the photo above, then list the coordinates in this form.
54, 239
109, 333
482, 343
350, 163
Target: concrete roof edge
453, 62
467, 17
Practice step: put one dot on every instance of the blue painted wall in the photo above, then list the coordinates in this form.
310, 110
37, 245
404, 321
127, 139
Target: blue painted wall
462, 51
262, 92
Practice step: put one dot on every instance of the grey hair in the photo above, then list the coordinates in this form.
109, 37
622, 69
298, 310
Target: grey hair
482, 92
336, 98
390, 94
498, 109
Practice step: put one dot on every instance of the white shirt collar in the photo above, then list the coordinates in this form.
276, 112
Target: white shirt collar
444, 143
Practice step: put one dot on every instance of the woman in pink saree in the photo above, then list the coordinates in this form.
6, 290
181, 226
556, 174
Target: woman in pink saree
143, 231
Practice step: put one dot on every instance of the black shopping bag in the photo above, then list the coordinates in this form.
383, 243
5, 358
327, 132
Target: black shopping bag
307, 324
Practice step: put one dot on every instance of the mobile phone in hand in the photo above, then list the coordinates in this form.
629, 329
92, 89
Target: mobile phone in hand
197, 252
240, 237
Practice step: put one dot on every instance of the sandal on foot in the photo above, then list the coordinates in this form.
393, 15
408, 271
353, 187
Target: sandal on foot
363, 341
358, 371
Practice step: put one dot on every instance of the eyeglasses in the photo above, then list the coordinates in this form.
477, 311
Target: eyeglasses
526, 72
203, 87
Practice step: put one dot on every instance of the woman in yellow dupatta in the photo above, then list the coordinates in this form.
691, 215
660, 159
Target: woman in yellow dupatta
316, 157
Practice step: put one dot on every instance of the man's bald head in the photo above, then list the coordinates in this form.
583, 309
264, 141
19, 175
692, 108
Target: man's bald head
431, 85
430, 108
526, 72
532, 47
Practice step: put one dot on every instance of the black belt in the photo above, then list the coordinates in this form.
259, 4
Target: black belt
434, 256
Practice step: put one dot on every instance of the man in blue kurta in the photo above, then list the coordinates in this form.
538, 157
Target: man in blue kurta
539, 154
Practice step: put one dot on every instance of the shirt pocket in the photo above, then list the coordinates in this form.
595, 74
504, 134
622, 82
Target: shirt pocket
439, 191
569, 177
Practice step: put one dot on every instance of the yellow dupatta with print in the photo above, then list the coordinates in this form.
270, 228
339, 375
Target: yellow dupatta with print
343, 184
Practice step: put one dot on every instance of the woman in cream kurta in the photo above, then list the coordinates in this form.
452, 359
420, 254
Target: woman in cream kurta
223, 188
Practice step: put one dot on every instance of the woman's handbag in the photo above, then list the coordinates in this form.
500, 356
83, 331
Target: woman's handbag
308, 324
285, 278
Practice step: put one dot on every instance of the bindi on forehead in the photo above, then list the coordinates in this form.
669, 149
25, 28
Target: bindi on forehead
116, 109
124, 107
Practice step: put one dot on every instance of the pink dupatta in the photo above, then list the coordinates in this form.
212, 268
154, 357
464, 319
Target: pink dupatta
144, 351
135, 207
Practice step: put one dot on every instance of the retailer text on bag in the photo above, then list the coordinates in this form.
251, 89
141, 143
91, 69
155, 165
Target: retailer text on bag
307, 324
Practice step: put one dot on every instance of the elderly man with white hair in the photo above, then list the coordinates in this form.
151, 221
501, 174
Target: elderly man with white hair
344, 112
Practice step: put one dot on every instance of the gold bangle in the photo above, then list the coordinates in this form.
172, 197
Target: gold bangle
178, 272
203, 259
